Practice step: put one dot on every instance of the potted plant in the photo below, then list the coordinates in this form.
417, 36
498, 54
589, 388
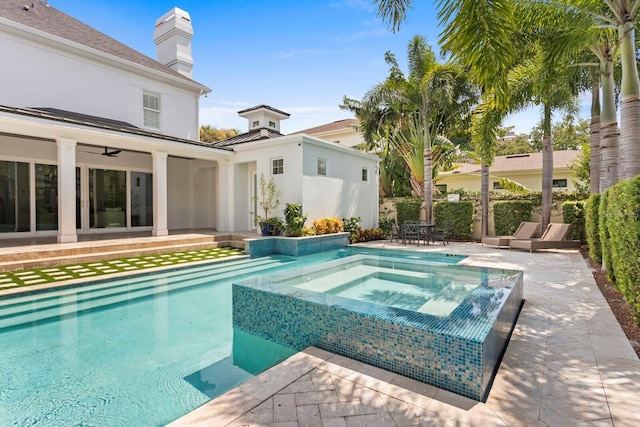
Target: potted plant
268, 201
294, 220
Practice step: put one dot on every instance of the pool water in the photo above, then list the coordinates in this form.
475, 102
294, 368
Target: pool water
142, 350
394, 283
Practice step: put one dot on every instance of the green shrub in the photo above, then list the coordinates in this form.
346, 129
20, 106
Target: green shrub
408, 210
508, 215
623, 225
369, 234
573, 213
294, 220
603, 221
459, 216
385, 224
592, 228
352, 226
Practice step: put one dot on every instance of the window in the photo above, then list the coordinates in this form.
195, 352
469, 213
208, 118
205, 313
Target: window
322, 166
559, 183
277, 166
107, 198
442, 188
496, 185
255, 123
151, 110
365, 174
272, 124
46, 197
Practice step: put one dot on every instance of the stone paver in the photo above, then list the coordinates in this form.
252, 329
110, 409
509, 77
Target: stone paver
568, 363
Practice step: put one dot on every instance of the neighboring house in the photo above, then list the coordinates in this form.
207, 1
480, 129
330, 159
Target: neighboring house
328, 180
344, 132
96, 137
525, 169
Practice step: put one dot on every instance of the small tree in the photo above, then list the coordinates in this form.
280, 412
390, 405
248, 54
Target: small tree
269, 198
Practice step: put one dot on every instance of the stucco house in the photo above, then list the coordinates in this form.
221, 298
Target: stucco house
96, 137
525, 169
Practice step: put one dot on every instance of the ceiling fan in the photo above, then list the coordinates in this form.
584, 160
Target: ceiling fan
112, 153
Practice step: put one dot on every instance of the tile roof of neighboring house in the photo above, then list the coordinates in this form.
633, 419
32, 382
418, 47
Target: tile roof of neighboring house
343, 124
47, 18
268, 107
252, 135
520, 162
96, 122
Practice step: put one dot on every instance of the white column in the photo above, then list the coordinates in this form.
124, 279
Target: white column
159, 193
224, 194
66, 190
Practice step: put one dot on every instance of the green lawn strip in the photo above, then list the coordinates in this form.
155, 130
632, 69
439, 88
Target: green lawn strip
38, 276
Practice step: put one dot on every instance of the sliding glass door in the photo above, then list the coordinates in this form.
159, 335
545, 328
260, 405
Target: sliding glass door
15, 197
107, 198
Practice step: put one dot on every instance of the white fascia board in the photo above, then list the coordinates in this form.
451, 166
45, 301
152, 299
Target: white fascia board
47, 39
47, 129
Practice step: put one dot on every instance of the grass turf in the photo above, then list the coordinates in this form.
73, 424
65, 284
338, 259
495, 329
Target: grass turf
38, 276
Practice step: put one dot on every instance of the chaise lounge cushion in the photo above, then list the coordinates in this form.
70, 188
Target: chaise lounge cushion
553, 238
526, 230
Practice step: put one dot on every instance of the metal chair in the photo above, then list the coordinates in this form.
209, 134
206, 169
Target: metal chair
441, 233
411, 231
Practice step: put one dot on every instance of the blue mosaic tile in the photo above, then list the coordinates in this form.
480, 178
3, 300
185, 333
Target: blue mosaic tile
457, 352
297, 246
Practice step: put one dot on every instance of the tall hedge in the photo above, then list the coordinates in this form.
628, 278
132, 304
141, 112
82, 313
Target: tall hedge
459, 216
508, 214
408, 210
592, 227
603, 221
623, 224
573, 213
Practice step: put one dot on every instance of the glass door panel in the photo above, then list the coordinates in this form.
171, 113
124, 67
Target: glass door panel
14, 197
141, 199
46, 197
107, 198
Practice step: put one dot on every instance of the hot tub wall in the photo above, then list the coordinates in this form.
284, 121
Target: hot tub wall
295, 246
388, 338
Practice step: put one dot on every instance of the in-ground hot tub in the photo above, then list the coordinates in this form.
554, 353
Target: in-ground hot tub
442, 325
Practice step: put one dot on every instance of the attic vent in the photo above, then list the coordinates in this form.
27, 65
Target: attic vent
515, 156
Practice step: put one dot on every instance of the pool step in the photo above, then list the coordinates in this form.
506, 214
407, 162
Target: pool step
39, 307
65, 254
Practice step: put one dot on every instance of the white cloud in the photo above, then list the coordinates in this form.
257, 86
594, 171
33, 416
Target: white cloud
361, 35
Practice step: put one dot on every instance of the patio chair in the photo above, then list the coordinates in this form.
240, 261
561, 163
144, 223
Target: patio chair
440, 233
552, 238
411, 232
526, 230
396, 232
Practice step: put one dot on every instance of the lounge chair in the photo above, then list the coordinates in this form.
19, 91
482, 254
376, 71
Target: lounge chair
552, 238
526, 230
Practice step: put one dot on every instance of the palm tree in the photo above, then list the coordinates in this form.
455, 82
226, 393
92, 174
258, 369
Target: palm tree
430, 89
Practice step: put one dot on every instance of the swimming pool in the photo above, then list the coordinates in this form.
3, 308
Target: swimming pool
143, 350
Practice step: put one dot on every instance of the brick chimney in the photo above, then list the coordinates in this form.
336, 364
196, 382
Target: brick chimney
172, 36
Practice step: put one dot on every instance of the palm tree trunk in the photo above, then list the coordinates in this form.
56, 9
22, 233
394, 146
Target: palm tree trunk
630, 104
547, 168
428, 171
594, 139
609, 133
484, 187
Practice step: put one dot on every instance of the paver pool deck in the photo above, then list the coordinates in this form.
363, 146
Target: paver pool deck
568, 364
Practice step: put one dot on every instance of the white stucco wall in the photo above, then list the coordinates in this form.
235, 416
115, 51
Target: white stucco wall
179, 206
341, 193
47, 75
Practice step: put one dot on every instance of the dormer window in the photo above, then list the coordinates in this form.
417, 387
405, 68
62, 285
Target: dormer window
256, 123
272, 124
151, 110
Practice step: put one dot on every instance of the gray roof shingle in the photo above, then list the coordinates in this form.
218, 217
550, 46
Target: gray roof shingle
252, 135
71, 117
346, 124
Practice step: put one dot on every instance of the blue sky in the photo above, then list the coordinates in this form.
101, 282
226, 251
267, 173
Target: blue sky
301, 56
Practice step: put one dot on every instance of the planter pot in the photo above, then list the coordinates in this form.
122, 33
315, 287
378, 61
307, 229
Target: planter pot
266, 229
